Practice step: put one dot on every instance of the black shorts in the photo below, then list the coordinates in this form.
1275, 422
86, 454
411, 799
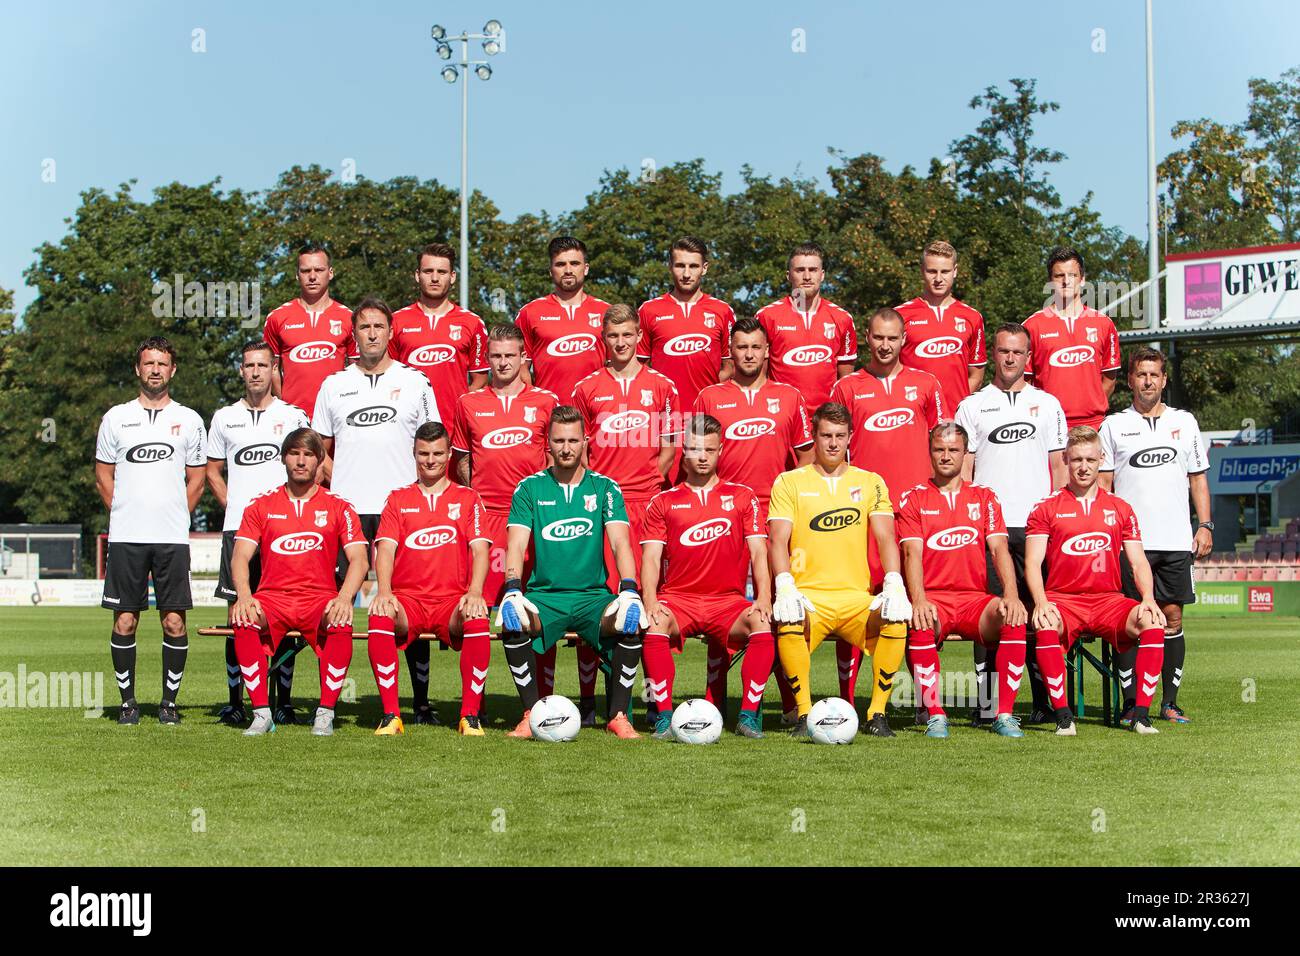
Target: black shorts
1016, 544
126, 577
1171, 571
369, 528
225, 583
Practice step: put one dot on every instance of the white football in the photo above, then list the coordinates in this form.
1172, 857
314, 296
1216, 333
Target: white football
832, 720
696, 722
554, 719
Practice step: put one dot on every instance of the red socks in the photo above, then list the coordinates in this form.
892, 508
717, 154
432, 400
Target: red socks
382, 647
849, 659
1051, 663
755, 667
335, 657
475, 651
923, 656
1011, 665
657, 657
546, 672
252, 663
1150, 661
588, 666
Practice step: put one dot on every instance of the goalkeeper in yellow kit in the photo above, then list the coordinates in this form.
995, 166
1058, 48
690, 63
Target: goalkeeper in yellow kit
818, 522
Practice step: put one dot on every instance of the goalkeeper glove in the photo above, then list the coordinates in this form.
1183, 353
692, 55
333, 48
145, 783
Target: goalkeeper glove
629, 612
790, 605
892, 600
513, 613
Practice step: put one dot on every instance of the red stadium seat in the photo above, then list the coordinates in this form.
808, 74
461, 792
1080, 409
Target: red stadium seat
1274, 557
1270, 573
1239, 574
1287, 572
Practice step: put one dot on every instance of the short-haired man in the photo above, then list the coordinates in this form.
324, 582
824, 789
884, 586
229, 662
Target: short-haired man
300, 529
1082, 530
244, 441
310, 336
1017, 433
431, 558
812, 341
368, 415
944, 527
684, 331
823, 513
566, 512
562, 330
944, 335
499, 436
149, 473
1073, 349
1153, 457
436, 336
710, 531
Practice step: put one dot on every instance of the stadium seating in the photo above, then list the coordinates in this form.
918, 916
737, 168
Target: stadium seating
1272, 556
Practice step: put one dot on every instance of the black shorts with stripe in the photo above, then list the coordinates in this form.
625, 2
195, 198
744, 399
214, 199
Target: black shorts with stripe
225, 583
1171, 572
128, 567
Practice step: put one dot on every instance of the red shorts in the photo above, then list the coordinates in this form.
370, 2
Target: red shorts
708, 615
636, 512
1102, 615
494, 527
426, 616
293, 611
959, 612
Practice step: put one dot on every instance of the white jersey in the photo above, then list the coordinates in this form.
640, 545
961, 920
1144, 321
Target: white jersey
248, 440
373, 420
1013, 435
1151, 459
150, 449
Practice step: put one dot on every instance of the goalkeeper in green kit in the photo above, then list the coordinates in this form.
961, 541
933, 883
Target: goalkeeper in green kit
566, 512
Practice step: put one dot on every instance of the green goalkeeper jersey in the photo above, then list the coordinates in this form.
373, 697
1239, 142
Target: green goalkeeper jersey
568, 528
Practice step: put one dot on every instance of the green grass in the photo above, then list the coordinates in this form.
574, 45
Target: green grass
1223, 790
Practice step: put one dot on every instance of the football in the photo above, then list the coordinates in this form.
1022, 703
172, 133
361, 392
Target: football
554, 719
832, 720
697, 722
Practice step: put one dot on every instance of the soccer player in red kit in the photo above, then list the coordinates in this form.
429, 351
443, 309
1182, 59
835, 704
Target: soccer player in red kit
299, 530
562, 330
431, 558
893, 408
944, 335
499, 436
944, 526
684, 332
710, 531
812, 341
1082, 530
1073, 349
436, 336
312, 335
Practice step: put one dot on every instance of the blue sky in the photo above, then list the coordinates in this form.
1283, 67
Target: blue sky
114, 91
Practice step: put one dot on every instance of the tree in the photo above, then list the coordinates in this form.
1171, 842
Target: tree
1217, 188
1274, 119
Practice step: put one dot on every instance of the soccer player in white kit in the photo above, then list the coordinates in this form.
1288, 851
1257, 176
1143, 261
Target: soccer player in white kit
243, 462
1153, 457
1017, 432
149, 473
368, 415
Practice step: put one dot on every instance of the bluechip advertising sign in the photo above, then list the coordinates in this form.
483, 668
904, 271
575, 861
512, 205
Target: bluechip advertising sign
1238, 469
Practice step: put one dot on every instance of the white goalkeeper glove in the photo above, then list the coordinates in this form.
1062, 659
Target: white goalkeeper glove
513, 614
629, 612
892, 600
789, 606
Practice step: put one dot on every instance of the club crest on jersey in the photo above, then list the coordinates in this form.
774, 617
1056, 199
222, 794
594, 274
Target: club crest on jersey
530, 415
176, 429
909, 392
455, 333
773, 406
1174, 433
589, 502
322, 518
1108, 516
393, 395
973, 509
728, 502
647, 397
453, 511
959, 324
1033, 411
709, 321
855, 494
829, 329
278, 428
593, 320
336, 327
1091, 335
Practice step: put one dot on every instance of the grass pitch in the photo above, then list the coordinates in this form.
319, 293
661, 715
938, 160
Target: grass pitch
76, 790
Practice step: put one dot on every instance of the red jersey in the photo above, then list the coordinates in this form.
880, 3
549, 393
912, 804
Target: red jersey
445, 348
761, 428
953, 529
563, 342
299, 538
626, 421
946, 342
432, 534
686, 342
1067, 357
704, 534
805, 347
1085, 538
311, 346
505, 436
892, 418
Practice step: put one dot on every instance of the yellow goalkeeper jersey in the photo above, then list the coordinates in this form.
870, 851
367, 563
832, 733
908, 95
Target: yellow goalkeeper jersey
828, 537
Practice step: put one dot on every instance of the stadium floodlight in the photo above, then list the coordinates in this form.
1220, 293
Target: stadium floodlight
491, 47
484, 71
449, 73
492, 28
444, 51
438, 32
